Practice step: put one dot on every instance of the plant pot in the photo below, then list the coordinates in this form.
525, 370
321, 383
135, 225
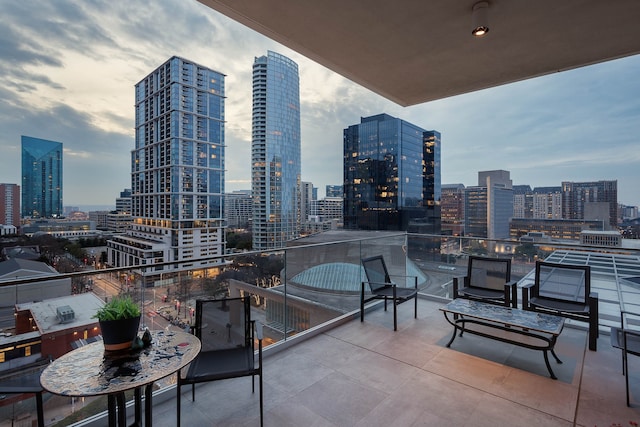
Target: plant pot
117, 335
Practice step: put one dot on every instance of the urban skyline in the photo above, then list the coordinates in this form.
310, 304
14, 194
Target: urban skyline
68, 69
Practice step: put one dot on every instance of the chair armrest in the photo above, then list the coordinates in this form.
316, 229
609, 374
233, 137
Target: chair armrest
259, 330
456, 286
526, 291
415, 279
511, 291
380, 283
626, 313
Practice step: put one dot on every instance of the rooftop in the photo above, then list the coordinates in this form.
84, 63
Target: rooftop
364, 374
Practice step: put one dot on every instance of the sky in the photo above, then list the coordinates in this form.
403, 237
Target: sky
68, 69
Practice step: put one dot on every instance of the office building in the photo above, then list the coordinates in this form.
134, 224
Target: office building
177, 172
539, 203
238, 208
275, 151
10, 204
489, 206
391, 176
559, 229
452, 209
306, 198
123, 203
522, 201
576, 196
41, 178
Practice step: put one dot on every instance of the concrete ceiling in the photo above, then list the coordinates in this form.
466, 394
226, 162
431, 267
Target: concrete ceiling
414, 51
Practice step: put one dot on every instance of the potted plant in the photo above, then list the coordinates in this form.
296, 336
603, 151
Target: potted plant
119, 320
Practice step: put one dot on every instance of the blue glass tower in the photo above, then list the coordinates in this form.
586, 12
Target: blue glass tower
391, 176
275, 151
41, 178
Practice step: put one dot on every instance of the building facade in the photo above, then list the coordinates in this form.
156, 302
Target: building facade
452, 209
333, 191
563, 229
577, 195
489, 206
391, 176
177, 170
238, 209
275, 151
41, 178
306, 198
10, 204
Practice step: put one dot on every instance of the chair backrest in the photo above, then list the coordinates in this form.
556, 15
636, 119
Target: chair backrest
489, 273
223, 323
376, 271
562, 282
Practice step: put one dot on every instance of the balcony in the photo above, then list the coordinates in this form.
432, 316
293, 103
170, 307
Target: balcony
324, 367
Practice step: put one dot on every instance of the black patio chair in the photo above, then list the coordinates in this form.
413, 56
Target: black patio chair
226, 331
26, 383
627, 340
488, 280
381, 287
564, 290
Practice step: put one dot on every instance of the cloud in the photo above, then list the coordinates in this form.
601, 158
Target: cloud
68, 70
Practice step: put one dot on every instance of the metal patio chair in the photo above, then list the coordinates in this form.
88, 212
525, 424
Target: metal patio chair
381, 287
226, 331
564, 290
627, 340
487, 280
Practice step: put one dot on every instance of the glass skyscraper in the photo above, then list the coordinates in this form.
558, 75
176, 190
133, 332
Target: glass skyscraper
275, 151
177, 169
41, 178
391, 176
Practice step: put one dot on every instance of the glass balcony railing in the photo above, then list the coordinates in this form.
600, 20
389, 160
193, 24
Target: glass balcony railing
312, 282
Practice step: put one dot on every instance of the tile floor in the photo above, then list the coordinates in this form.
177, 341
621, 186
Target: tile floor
365, 374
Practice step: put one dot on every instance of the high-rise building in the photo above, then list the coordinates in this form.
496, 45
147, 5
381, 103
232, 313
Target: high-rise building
577, 195
10, 204
489, 206
275, 151
306, 198
522, 201
41, 178
238, 208
452, 208
177, 170
547, 203
391, 176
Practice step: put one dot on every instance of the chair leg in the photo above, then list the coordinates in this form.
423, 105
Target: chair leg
593, 333
625, 368
178, 404
362, 303
395, 316
39, 409
415, 307
261, 402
